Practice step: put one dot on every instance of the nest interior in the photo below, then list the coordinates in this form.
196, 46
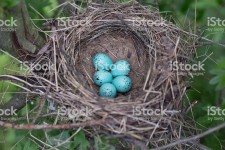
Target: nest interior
118, 46
149, 49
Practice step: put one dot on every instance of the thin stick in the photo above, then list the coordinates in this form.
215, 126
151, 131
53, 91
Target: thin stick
44, 126
55, 62
194, 138
42, 103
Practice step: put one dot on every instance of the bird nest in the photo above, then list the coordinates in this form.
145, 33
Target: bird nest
152, 111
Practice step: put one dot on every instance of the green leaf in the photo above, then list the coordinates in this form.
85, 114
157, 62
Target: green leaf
19, 147
30, 145
215, 80
9, 3
216, 145
221, 64
61, 137
101, 143
217, 71
221, 84
80, 141
47, 8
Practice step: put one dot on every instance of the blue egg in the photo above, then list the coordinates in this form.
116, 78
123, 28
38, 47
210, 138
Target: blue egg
107, 90
122, 83
120, 68
100, 77
102, 61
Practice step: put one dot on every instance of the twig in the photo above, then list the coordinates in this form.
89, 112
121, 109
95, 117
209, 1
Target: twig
194, 138
25, 118
44, 126
41, 104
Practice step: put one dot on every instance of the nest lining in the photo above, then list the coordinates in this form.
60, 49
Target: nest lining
118, 46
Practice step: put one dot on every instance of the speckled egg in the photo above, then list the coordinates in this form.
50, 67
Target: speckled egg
102, 61
120, 68
107, 90
122, 83
100, 77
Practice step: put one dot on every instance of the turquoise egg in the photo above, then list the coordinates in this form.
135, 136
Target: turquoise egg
100, 77
102, 61
120, 68
107, 90
122, 83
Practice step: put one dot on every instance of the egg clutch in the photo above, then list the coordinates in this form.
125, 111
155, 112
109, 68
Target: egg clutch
111, 77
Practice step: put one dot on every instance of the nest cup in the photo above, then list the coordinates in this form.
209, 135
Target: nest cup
149, 43
118, 45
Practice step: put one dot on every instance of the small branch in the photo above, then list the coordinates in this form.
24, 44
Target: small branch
61, 126
200, 44
30, 118
43, 100
194, 138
